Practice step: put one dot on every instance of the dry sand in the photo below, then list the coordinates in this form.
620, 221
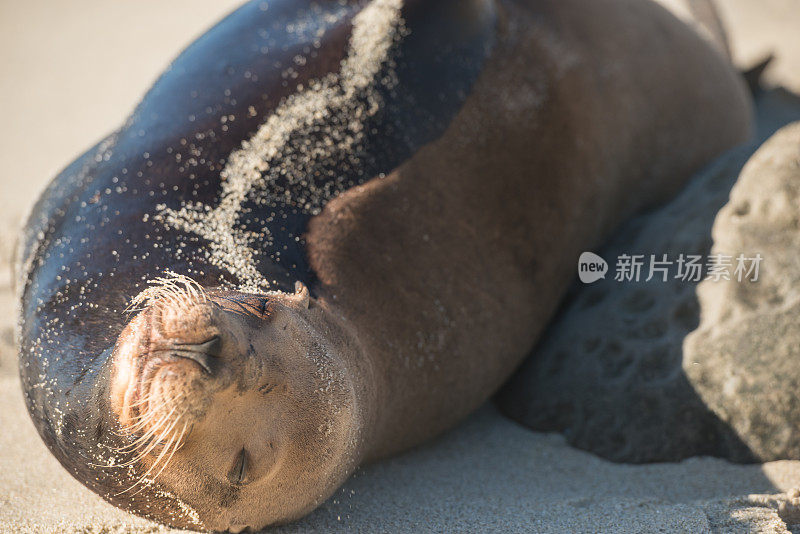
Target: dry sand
73, 70
758, 28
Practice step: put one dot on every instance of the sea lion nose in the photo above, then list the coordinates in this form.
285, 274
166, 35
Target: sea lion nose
206, 354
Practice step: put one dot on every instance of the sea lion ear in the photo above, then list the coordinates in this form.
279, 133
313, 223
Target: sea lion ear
301, 294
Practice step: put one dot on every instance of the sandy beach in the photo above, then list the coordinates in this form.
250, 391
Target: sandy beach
73, 71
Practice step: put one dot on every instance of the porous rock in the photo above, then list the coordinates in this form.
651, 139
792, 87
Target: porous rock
663, 370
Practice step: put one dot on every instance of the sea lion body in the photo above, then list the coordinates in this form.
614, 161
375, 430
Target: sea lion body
374, 209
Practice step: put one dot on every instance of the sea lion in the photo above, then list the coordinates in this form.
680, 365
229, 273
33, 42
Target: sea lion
331, 230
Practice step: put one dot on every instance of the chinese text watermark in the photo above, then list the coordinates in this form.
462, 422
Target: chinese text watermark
662, 267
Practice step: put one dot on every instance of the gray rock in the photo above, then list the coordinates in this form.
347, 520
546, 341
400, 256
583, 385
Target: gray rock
744, 359
628, 371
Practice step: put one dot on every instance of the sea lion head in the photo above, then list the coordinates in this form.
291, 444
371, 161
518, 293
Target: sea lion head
241, 406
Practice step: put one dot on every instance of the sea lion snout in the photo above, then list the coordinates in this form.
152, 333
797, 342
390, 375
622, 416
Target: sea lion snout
168, 362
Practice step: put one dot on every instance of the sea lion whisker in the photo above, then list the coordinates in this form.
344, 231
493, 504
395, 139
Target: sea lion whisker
159, 424
133, 448
143, 400
140, 452
141, 425
153, 431
138, 455
173, 289
149, 397
152, 445
144, 423
138, 482
143, 478
139, 442
175, 448
164, 452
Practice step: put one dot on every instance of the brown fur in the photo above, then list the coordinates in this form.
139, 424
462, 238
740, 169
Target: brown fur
449, 268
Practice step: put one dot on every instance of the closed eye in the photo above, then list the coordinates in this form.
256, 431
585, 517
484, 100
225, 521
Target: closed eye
237, 476
266, 389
